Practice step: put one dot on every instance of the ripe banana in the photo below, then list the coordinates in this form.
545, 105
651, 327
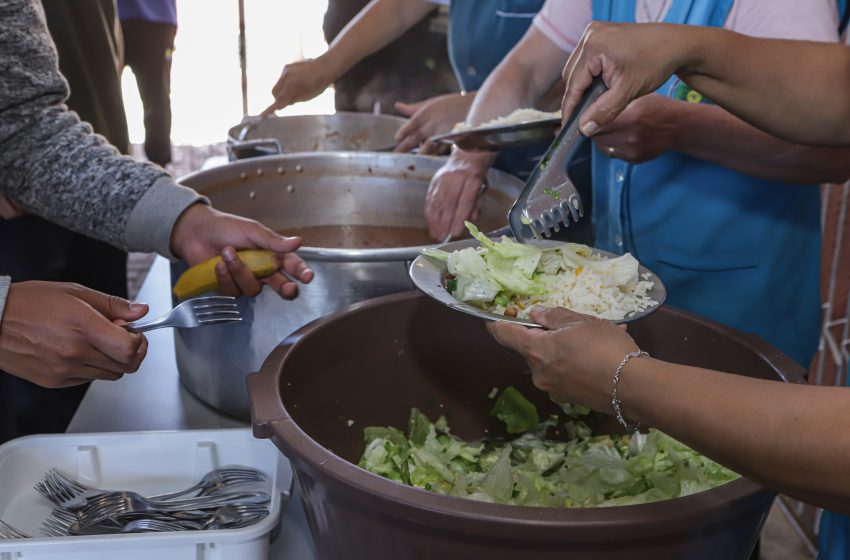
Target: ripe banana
201, 277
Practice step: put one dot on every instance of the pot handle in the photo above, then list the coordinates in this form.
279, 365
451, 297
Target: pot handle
791, 371
264, 393
253, 148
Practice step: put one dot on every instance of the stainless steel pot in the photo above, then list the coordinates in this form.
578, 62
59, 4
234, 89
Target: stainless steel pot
303, 190
341, 131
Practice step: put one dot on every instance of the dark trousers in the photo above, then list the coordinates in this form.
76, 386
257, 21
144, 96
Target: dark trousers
33, 249
147, 51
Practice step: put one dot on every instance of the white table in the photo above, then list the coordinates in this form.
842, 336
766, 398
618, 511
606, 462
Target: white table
153, 399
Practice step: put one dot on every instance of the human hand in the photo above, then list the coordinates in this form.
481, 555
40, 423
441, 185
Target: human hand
574, 360
428, 118
202, 233
300, 81
10, 210
454, 194
57, 334
643, 131
632, 59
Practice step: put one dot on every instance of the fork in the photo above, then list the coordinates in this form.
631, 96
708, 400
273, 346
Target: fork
9, 532
70, 494
197, 312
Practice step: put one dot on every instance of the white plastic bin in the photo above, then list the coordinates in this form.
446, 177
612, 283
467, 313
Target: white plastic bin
148, 463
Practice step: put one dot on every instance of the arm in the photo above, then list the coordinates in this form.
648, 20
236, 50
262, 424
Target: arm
752, 426
653, 124
713, 134
634, 60
52, 164
520, 80
377, 25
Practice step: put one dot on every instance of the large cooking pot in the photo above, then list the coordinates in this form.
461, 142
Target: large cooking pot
341, 131
372, 363
294, 194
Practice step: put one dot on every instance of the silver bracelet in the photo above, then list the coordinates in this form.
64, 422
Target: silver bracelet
615, 401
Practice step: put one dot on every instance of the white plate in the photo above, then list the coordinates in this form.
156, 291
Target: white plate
427, 274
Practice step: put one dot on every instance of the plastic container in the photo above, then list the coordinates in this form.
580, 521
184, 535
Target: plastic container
368, 365
146, 462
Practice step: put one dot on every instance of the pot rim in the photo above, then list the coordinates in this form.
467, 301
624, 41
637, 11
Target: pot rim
451, 513
386, 254
233, 131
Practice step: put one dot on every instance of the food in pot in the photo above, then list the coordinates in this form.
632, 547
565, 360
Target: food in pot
509, 278
520, 116
586, 470
201, 278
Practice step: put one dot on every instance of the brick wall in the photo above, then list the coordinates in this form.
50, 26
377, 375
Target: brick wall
830, 364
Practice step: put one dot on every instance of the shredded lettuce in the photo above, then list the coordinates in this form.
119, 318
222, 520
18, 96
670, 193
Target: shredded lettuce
500, 271
585, 470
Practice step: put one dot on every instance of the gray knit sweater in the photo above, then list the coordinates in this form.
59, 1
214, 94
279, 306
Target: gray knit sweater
55, 166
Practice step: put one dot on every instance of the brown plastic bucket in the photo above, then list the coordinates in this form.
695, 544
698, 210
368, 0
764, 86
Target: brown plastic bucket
371, 363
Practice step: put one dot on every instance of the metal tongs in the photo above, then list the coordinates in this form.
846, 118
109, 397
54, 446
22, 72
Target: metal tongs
550, 199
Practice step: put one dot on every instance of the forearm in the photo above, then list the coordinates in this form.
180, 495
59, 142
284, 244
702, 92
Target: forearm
377, 25
792, 89
51, 163
525, 76
789, 438
713, 134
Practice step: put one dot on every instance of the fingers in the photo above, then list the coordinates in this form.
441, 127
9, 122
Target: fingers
226, 284
513, 336
407, 109
242, 276
556, 317
295, 267
269, 110
282, 285
609, 105
111, 307
262, 237
115, 349
430, 148
406, 143
467, 200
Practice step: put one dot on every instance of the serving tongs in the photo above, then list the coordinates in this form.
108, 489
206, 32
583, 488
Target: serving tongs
550, 199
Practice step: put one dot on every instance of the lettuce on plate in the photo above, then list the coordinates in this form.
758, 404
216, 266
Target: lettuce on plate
500, 271
530, 470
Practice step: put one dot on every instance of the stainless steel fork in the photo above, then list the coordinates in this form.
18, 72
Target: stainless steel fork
197, 312
9, 532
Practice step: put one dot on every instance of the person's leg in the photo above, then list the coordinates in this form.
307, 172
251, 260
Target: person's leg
147, 51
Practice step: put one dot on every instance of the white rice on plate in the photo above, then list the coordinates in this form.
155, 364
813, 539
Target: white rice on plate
517, 117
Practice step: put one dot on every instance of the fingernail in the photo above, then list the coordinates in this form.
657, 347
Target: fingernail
137, 307
228, 254
589, 128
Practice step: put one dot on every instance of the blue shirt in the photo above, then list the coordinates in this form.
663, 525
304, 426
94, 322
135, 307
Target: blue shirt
156, 11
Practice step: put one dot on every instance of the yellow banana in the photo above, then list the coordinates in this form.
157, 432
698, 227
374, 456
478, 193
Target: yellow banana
201, 277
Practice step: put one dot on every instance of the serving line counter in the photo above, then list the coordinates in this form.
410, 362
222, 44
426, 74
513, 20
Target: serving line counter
153, 399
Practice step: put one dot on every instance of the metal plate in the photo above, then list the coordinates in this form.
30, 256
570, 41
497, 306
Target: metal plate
427, 275
490, 138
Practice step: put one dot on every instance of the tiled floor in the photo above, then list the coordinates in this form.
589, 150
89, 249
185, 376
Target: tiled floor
781, 541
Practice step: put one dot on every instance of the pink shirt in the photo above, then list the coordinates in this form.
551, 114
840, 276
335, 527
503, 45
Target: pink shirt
563, 21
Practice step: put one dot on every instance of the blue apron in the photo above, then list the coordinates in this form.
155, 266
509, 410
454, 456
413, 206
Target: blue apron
481, 34
736, 249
